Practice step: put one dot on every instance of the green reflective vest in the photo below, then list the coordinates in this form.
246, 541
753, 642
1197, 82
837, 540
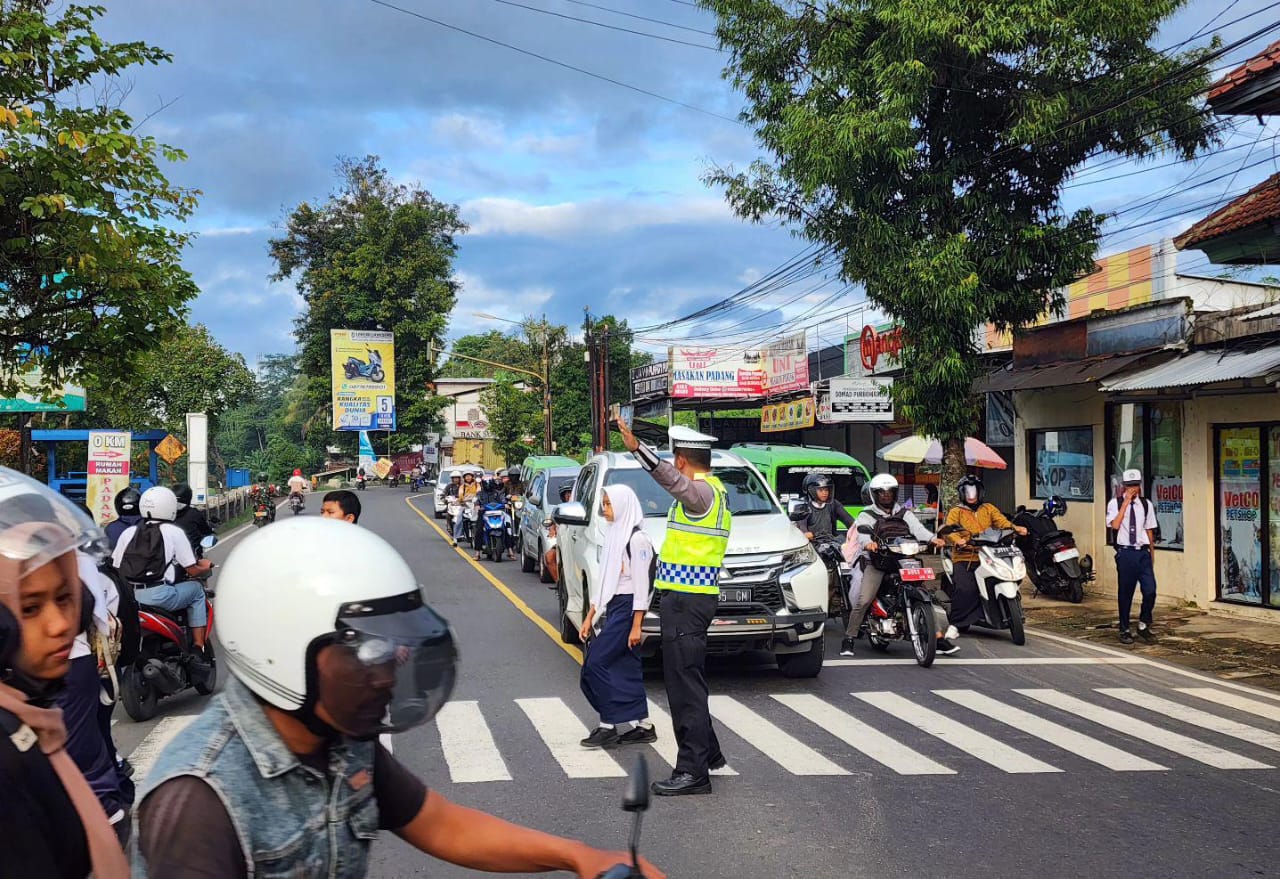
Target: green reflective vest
693, 550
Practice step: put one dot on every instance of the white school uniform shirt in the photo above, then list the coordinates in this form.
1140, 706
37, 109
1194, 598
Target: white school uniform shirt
1142, 512
637, 586
177, 549
106, 599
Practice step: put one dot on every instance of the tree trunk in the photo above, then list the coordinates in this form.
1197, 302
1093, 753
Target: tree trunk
953, 470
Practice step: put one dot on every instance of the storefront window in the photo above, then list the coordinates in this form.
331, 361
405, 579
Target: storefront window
1240, 534
1148, 437
1062, 463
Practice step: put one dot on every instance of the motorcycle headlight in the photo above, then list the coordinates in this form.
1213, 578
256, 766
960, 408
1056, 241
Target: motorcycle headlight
907, 547
1001, 567
800, 557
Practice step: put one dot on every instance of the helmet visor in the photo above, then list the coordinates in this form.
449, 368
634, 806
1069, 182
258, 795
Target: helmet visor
37, 525
393, 666
969, 493
885, 497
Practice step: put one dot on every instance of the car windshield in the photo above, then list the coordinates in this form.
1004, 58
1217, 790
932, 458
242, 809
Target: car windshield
847, 481
747, 494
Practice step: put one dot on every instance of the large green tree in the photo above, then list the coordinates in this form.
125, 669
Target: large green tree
926, 143
375, 254
89, 246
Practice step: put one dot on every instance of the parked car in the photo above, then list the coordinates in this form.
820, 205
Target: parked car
540, 499
443, 482
535, 464
784, 468
773, 587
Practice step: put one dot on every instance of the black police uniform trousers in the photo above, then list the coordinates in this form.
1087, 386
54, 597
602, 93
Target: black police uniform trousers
686, 617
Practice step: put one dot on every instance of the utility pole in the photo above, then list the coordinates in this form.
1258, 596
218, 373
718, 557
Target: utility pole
548, 442
544, 379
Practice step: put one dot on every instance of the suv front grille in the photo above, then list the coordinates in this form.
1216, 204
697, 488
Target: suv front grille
744, 572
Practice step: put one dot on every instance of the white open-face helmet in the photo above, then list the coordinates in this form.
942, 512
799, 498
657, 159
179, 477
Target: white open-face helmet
158, 503
884, 490
396, 662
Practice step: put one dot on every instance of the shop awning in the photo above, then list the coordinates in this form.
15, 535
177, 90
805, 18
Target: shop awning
1200, 368
1054, 375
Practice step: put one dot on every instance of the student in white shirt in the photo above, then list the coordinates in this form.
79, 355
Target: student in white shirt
612, 678
1133, 519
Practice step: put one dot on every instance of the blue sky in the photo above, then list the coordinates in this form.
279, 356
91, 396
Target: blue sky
578, 192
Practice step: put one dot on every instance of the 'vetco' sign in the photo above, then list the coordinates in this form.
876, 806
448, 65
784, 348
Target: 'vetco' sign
874, 345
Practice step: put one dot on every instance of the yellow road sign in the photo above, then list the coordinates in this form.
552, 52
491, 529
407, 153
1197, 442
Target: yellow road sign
171, 449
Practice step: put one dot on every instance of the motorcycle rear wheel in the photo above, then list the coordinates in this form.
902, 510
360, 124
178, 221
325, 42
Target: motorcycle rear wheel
923, 642
141, 700
1075, 592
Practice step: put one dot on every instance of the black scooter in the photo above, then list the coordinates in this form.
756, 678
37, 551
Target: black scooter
635, 801
1054, 562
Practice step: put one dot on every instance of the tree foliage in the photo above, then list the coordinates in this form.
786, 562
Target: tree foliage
926, 143
375, 254
515, 417
89, 259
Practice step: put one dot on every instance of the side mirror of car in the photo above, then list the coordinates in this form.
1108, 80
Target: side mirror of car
571, 513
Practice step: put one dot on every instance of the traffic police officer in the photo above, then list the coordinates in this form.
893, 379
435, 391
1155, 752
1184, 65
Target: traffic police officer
688, 579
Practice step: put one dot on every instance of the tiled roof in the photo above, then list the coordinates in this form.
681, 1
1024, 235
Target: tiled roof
1258, 205
1265, 60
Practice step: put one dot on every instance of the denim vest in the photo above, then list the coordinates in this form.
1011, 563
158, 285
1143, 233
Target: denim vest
292, 820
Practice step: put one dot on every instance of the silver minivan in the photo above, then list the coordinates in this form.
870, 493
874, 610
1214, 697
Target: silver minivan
542, 495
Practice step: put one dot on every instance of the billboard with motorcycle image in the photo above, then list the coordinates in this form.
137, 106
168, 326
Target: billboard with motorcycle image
364, 379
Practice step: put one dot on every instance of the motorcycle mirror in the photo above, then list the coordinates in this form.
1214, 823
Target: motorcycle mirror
865, 529
636, 798
209, 542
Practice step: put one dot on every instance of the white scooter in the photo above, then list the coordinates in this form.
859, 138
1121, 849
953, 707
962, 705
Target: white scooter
1001, 568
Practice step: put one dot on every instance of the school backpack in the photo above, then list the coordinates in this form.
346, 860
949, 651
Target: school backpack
127, 614
653, 561
144, 560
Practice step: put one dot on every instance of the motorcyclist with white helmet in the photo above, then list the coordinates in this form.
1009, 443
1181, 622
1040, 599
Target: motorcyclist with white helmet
283, 774
159, 507
883, 491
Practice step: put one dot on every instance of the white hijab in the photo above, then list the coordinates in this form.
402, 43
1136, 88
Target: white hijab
627, 514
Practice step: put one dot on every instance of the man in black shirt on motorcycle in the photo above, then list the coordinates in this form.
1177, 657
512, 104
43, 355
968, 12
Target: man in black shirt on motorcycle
819, 526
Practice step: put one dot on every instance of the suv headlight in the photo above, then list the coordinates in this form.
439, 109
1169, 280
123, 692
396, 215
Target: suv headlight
800, 557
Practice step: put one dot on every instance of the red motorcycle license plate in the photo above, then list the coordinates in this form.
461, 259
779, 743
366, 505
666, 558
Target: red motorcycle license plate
911, 575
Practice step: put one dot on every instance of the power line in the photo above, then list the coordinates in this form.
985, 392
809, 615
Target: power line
612, 27
626, 85
661, 21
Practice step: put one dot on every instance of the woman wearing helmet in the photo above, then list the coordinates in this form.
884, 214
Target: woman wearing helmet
322, 663
53, 823
882, 492
824, 510
970, 517
126, 504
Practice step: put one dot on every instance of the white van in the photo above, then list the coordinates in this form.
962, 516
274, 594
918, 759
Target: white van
773, 588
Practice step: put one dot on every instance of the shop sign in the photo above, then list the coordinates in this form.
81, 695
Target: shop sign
716, 373
852, 400
1168, 502
108, 471
787, 364
651, 380
654, 409
1240, 514
796, 415
875, 345
1000, 419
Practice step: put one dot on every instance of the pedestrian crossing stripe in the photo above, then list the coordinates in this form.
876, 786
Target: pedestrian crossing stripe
1019, 731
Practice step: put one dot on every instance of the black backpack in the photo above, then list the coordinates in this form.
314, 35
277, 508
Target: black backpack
653, 562
144, 560
127, 614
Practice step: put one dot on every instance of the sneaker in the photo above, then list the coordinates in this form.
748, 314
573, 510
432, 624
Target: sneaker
601, 737
846, 647
952, 633
640, 735
946, 648
1125, 637
1145, 633
453, 543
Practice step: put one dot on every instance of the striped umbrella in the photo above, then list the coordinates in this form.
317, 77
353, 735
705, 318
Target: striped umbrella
926, 450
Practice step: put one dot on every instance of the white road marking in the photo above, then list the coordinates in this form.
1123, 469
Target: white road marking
779, 746
1194, 716
1231, 700
166, 730
1055, 734
468, 744
1147, 732
868, 740
666, 743
561, 730
967, 739
995, 660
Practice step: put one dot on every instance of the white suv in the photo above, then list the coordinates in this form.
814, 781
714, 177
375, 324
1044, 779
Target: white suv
773, 588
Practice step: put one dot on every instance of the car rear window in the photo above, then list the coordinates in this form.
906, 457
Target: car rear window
848, 481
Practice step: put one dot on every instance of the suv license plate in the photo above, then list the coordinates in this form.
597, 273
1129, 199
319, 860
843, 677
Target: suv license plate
911, 575
735, 596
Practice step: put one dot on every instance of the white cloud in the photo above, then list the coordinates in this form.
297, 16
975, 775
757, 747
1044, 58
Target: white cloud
477, 296
508, 216
468, 132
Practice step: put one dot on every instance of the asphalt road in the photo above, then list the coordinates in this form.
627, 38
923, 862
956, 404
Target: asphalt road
1052, 759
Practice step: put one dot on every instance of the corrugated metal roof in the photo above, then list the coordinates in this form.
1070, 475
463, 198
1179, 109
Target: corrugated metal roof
1199, 368
1269, 311
1071, 372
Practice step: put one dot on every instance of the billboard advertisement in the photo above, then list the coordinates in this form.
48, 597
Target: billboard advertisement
364, 379
795, 415
650, 381
852, 400
69, 398
786, 363
108, 472
716, 373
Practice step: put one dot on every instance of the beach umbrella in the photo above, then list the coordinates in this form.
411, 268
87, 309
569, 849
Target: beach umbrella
918, 449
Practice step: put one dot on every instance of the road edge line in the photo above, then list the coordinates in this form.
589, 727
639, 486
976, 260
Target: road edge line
519, 603
1166, 666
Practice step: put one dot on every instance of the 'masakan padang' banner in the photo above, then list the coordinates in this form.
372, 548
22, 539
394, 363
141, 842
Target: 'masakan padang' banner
716, 373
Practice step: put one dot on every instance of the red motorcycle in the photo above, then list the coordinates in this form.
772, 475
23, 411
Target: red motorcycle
164, 663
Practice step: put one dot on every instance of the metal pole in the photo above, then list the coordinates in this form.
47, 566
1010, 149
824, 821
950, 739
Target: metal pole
548, 440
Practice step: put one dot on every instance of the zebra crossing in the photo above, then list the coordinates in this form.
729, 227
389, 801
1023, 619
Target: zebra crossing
937, 732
